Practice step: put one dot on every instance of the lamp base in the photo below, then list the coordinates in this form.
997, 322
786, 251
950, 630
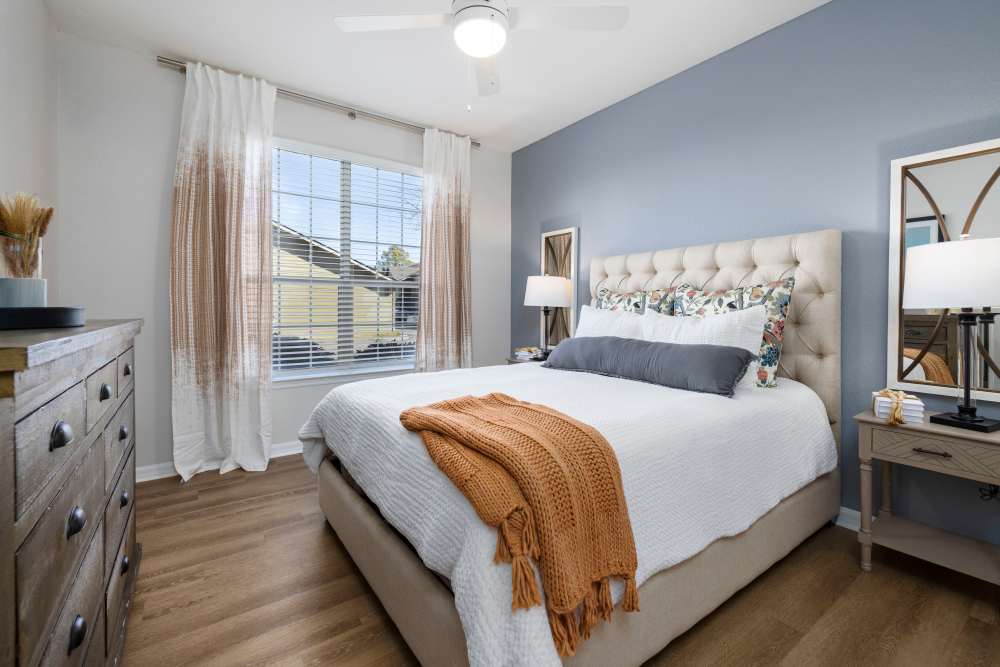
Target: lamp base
957, 420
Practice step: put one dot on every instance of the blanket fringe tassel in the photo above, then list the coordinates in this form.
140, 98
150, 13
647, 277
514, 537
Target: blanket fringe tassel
516, 541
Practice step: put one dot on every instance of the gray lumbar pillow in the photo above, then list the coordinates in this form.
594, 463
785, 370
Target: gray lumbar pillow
711, 369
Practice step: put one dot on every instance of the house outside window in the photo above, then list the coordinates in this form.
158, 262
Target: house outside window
346, 262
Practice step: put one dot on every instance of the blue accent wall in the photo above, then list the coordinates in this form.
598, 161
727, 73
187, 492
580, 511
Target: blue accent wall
789, 132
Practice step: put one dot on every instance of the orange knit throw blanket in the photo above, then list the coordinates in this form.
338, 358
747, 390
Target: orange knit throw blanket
551, 487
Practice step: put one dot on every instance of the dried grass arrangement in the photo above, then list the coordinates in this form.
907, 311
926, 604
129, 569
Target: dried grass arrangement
23, 223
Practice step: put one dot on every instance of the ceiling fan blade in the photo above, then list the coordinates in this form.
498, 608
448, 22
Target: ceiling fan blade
402, 22
487, 76
569, 18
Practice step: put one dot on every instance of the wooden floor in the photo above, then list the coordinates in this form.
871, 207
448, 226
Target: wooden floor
243, 569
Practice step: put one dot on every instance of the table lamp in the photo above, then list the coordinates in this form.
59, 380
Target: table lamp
956, 274
547, 292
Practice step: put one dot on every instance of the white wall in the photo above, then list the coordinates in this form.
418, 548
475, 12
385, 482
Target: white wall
119, 115
27, 100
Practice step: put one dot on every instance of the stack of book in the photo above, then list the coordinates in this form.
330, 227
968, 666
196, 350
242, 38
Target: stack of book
913, 408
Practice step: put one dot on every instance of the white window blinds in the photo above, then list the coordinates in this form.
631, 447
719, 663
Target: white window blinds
346, 265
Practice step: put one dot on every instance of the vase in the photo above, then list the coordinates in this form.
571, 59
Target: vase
22, 292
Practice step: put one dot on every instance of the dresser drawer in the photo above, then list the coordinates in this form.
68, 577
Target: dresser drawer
126, 370
117, 512
95, 651
121, 574
932, 452
101, 392
46, 560
118, 436
77, 623
44, 440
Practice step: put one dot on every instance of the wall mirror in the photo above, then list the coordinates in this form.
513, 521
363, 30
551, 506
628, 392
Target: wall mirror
942, 197
558, 253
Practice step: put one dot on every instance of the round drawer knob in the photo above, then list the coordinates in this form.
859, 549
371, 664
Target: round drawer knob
77, 633
125, 564
123, 433
77, 520
105, 392
124, 500
127, 371
62, 435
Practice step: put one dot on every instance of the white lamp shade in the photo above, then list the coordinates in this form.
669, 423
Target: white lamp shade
956, 274
551, 291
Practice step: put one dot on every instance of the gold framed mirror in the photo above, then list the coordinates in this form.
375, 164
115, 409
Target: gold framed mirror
942, 197
558, 258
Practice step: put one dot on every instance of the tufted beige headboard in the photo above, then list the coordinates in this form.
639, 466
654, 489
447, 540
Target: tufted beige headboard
811, 349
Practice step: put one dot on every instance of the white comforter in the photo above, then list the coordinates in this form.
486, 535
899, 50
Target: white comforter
695, 468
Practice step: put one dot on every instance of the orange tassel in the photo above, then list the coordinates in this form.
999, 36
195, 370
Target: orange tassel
604, 603
559, 636
502, 554
525, 591
589, 617
631, 600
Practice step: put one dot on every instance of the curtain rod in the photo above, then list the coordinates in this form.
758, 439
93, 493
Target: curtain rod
351, 112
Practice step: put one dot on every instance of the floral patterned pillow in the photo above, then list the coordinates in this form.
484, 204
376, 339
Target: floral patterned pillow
774, 296
633, 302
661, 300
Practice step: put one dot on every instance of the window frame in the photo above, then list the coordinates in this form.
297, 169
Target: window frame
310, 376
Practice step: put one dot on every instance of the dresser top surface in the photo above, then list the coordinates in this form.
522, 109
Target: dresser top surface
927, 428
24, 348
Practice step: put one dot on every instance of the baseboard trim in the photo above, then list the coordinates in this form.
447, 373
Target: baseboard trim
849, 519
153, 471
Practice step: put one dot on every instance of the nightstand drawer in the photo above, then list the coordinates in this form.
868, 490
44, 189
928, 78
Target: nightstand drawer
964, 458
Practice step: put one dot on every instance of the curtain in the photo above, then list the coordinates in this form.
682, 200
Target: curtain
444, 338
220, 274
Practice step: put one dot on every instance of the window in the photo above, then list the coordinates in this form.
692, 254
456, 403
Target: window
346, 262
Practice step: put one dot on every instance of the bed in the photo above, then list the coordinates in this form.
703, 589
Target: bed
750, 477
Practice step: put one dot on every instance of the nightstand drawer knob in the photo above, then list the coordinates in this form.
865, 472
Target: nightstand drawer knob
921, 450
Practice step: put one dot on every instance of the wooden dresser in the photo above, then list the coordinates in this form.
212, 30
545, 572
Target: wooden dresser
67, 474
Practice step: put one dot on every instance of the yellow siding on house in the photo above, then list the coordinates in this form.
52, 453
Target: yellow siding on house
300, 307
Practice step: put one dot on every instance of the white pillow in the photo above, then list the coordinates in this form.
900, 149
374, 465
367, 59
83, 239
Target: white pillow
599, 322
737, 328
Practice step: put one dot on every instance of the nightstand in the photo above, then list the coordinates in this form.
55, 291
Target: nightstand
941, 449
515, 360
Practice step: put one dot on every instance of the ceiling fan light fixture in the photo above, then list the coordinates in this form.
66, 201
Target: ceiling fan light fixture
480, 28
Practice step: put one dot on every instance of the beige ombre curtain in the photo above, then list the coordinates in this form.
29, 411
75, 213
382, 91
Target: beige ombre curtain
220, 274
444, 335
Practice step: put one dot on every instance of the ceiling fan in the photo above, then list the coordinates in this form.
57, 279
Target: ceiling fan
480, 27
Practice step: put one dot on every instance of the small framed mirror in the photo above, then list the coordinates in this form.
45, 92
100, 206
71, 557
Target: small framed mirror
942, 197
558, 258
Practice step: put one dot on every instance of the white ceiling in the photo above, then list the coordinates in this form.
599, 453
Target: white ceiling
550, 79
